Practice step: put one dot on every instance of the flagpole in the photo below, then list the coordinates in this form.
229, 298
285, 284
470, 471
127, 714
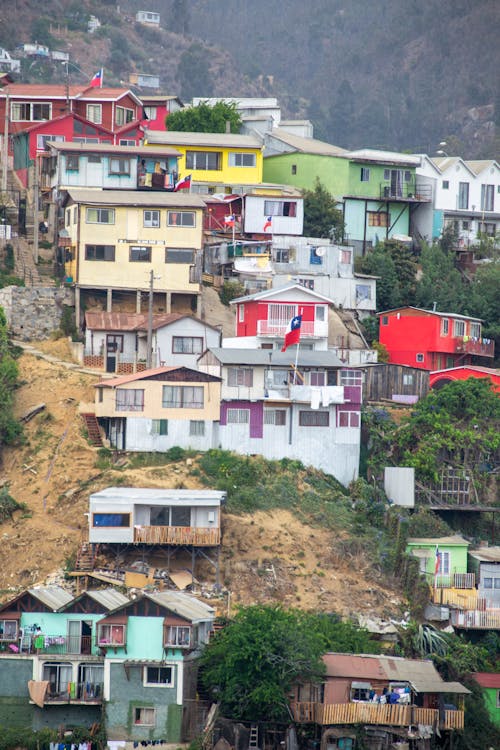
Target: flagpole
102, 76
301, 310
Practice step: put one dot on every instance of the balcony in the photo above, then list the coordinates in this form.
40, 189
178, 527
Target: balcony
309, 329
407, 191
190, 535
329, 394
373, 713
476, 619
73, 692
28, 644
477, 347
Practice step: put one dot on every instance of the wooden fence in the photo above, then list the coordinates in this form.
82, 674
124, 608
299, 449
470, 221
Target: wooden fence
375, 714
199, 537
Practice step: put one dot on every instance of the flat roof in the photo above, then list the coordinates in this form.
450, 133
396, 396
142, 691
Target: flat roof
276, 358
150, 496
221, 140
91, 196
99, 148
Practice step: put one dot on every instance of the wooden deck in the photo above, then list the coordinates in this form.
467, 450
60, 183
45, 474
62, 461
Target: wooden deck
373, 713
190, 535
475, 619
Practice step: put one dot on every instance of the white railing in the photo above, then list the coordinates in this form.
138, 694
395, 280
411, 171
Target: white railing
308, 329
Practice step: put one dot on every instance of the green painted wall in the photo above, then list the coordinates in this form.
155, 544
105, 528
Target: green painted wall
490, 698
458, 556
333, 172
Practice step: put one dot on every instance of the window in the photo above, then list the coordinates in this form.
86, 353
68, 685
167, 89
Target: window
360, 691
8, 630
240, 376
407, 379
378, 219
100, 216
110, 634
365, 174
446, 184
317, 378
498, 698
407, 176
419, 357
100, 252
351, 377
238, 416
75, 214
196, 427
210, 160
487, 197
158, 676
280, 208
445, 326
282, 255
385, 320
320, 312
465, 225
119, 166
475, 330
181, 219
30, 111
178, 635
275, 417
314, 418
363, 292
41, 140
463, 195
488, 583
114, 342
444, 563
139, 254
345, 256
387, 174
490, 229
150, 112
176, 255
294, 169
83, 139
145, 717
187, 344
151, 219
159, 426
241, 313
182, 397
497, 583
112, 520
72, 162
129, 399
94, 113
241, 160
349, 419
458, 328
58, 675
124, 115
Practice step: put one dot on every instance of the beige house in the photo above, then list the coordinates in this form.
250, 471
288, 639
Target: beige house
125, 244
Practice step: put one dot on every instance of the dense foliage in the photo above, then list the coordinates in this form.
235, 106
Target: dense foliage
10, 428
252, 663
322, 217
205, 118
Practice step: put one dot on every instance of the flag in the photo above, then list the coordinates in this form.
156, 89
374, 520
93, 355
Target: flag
229, 220
183, 184
269, 223
97, 79
437, 564
292, 333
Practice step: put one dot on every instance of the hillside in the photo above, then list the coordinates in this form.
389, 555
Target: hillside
266, 556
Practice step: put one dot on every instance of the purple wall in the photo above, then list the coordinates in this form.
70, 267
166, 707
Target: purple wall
352, 393
256, 415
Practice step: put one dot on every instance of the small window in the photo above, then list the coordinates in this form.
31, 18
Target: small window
123, 115
446, 184
94, 158
119, 166
465, 225
206, 160
345, 256
280, 208
176, 255
378, 219
182, 397
241, 313
100, 216
151, 219
365, 174
385, 320
419, 357
498, 698
139, 254
349, 418
150, 112
458, 328
407, 176
94, 113
475, 330
497, 583
314, 418
407, 379
72, 162
178, 635
294, 169
181, 219
320, 312
445, 326
110, 634
282, 255
8, 630
351, 377
196, 427
488, 583
317, 378
275, 417
145, 717
159, 426
159, 676
387, 174
238, 416
129, 399
241, 160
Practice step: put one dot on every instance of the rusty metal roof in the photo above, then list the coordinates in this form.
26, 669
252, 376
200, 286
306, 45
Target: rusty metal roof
124, 321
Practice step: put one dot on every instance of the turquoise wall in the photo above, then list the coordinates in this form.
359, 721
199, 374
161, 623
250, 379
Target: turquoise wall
144, 640
354, 216
437, 223
56, 623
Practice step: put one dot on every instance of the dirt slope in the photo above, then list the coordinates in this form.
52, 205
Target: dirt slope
265, 557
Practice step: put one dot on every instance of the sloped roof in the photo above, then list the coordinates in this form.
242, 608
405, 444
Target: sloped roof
454, 539
438, 313
221, 140
475, 368
306, 145
487, 679
183, 605
61, 91
109, 598
479, 165
150, 374
93, 148
278, 292
384, 157
123, 321
274, 357
486, 554
54, 597
90, 196
72, 115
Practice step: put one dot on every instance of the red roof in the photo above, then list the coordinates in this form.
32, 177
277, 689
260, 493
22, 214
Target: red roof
487, 679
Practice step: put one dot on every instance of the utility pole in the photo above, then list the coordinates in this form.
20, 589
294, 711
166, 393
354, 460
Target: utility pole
5, 146
150, 323
35, 212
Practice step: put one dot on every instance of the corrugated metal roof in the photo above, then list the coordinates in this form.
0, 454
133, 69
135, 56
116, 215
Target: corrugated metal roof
123, 321
306, 145
475, 368
221, 140
454, 539
381, 157
183, 605
486, 554
98, 148
266, 357
109, 598
487, 679
438, 313
53, 597
135, 198
154, 496
350, 665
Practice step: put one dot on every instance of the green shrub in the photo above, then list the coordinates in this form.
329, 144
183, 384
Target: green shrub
231, 290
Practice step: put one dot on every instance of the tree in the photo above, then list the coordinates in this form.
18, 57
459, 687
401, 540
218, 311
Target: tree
380, 263
322, 218
205, 118
440, 282
251, 664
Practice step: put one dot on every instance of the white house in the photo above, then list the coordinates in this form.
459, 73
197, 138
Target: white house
117, 341
147, 17
274, 214
311, 412
7, 63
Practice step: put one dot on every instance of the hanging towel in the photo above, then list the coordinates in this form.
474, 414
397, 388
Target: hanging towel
315, 397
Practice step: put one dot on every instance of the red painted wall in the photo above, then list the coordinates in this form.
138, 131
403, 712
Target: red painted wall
255, 311
463, 373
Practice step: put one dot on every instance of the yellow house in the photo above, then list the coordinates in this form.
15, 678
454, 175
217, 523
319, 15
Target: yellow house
128, 243
156, 409
217, 162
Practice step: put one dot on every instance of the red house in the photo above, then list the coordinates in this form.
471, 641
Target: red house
157, 108
442, 377
262, 318
432, 340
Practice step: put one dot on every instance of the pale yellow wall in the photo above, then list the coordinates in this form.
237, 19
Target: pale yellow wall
227, 174
153, 400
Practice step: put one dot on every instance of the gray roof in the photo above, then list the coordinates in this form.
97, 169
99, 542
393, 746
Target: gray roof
266, 357
486, 554
183, 605
92, 197
105, 148
53, 597
109, 598
121, 495
306, 145
221, 140
437, 540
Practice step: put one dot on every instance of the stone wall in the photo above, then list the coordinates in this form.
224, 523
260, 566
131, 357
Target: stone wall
33, 313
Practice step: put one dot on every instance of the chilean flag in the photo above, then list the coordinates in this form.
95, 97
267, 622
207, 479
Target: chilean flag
229, 220
437, 564
183, 184
97, 79
269, 223
292, 333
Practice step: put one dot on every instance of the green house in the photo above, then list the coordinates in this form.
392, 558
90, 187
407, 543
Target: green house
451, 551
490, 685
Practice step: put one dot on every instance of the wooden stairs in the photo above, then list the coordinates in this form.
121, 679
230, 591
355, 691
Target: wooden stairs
85, 558
93, 429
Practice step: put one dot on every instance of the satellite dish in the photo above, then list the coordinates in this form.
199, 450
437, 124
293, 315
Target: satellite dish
320, 251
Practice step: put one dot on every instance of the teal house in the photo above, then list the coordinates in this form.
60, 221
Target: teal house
377, 189
490, 686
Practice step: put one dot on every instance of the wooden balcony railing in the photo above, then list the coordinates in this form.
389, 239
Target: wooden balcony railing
374, 713
458, 598
475, 619
199, 537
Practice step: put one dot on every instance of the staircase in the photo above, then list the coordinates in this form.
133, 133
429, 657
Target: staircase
93, 429
85, 558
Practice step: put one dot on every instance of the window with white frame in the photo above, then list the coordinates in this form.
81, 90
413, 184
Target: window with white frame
181, 219
444, 563
345, 256
100, 216
119, 166
282, 255
30, 111
314, 418
159, 427
240, 376
150, 112
241, 313
351, 377
139, 254
187, 344
463, 195
275, 417
317, 378
72, 163
363, 292
182, 397
145, 716
129, 399
365, 174
445, 326
238, 416
67, 217
75, 214
59, 676
41, 140
280, 208
110, 634
498, 698
207, 160
178, 635
458, 328
196, 427
419, 357
349, 418
158, 676
407, 379
8, 630
123, 115
487, 197
94, 113
151, 218
475, 330
320, 313
241, 160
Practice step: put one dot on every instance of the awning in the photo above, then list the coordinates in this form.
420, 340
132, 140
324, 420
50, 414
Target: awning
438, 686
